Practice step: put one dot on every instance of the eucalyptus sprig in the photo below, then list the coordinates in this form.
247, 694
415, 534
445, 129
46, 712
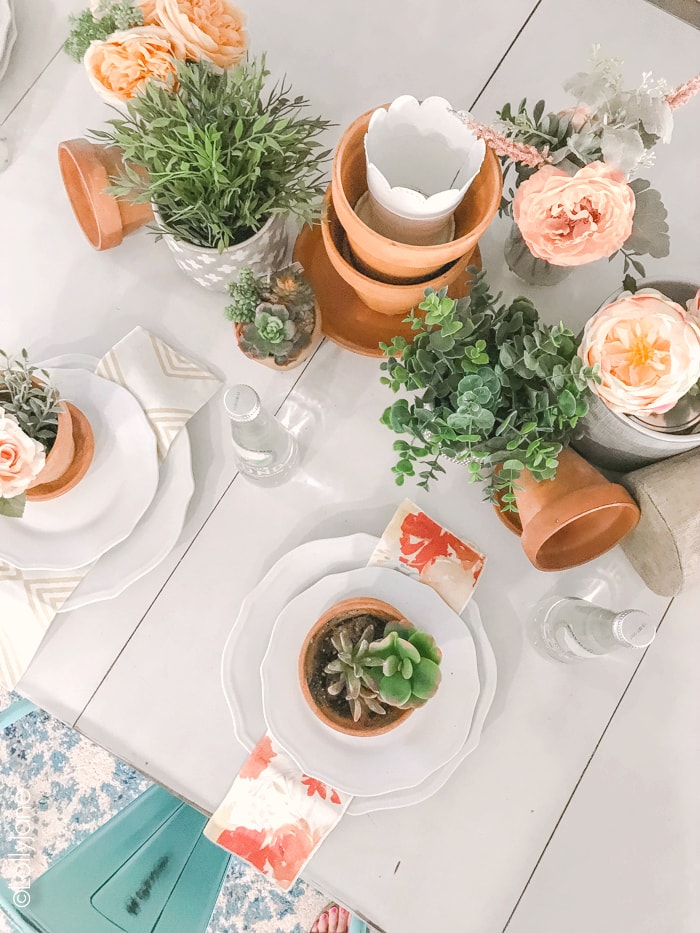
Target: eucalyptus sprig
27, 394
221, 155
490, 386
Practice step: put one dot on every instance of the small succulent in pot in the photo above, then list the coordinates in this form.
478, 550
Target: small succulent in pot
29, 425
410, 666
276, 317
351, 673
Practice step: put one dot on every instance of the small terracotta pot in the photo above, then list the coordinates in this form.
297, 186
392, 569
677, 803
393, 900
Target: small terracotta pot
399, 262
339, 616
380, 296
69, 459
86, 169
571, 519
316, 337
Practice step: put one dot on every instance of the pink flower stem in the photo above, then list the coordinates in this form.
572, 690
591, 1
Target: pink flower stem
503, 146
682, 94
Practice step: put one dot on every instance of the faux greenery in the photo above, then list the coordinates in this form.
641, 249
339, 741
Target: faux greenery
35, 407
221, 155
276, 313
402, 669
490, 385
85, 28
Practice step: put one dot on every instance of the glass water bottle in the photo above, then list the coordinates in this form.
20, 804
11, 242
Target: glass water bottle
263, 447
572, 629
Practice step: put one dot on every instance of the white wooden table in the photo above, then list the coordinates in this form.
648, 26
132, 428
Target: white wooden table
578, 810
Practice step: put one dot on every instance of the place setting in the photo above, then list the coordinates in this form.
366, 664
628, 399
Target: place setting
96, 479
359, 676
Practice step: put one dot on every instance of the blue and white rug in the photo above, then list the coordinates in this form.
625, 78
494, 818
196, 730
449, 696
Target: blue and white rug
75, 787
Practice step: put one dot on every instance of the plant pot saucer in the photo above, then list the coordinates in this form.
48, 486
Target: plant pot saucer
84, 442
346, 320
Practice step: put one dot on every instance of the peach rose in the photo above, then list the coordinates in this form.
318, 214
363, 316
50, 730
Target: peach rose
119, 67
648, 351
209, 29
98, 8
569, 221
21, 458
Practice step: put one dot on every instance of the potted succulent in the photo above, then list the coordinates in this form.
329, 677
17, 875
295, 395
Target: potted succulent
363, 668
223, 164
45, 444
646, 406
276, 317
500, 391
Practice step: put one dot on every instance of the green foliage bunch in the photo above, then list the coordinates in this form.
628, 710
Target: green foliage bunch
490, 385
350, 673
221, 156
86, 28
276, 313
27, 394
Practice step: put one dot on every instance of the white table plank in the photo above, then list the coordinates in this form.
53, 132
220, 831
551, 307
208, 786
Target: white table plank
626, 854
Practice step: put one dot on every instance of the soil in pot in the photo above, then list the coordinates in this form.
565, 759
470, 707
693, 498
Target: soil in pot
354, 616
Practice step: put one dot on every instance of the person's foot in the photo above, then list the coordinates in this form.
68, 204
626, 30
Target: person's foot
333, 920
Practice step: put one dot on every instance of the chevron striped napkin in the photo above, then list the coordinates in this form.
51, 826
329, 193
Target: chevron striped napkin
171, 388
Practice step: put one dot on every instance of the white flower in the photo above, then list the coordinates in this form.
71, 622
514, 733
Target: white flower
21, 458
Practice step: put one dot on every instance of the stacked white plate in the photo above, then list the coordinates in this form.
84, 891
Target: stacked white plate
259, 676
127, 512
8, 34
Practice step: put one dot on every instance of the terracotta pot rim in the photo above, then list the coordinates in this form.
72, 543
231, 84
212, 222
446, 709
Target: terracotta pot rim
363, 604
490, 162
77, 158
212, 250
598, 498
84, 450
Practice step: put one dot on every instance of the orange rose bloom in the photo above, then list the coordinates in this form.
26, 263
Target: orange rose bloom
120, 66
209, 29
569, 221
148, 8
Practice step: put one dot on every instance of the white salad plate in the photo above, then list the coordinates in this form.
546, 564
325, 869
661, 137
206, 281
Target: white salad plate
402, 757
8, 34
250, 636
104, 507
158, 529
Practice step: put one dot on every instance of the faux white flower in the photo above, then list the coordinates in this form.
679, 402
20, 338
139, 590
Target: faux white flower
21, 458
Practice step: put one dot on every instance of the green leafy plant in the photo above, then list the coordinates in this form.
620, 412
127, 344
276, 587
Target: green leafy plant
275, 314
26, 393
350, 673
220, 155
491, 386
410, 671
86, 28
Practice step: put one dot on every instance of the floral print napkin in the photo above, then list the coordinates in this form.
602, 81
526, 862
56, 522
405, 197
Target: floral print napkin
275, 816
170, 388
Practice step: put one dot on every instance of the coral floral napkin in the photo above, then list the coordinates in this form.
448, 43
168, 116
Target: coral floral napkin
170, 388
275, 816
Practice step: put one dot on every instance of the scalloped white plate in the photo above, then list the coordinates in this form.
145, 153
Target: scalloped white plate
247, 643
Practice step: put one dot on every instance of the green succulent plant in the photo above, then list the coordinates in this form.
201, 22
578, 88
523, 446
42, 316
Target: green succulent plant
27, 394
410, 666
276, 313
490, 386
350, 673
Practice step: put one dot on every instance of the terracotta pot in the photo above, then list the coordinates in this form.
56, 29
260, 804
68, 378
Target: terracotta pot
339, 616
400, 262
571, 519
69, 459
380, 296
269, 361
86, 169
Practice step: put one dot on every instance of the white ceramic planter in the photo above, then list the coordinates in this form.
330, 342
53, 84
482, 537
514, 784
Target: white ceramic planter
264, 252
618, 442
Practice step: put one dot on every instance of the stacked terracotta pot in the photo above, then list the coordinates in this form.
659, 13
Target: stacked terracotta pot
388, 276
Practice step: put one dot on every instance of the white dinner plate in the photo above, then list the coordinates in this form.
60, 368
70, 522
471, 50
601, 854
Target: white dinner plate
103, 508
158, 529
8, 34
405, 756
246, 645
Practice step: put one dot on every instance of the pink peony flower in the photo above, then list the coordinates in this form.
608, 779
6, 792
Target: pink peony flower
569, 221
21, 458
648, 351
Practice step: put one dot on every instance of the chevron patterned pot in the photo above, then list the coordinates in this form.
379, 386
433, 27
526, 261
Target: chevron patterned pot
211, 269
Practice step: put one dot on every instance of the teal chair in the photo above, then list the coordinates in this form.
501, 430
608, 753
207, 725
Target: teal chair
15, 711
148, 870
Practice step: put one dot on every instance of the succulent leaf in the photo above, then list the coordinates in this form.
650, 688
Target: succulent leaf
395, 690
426, 679
425, 644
